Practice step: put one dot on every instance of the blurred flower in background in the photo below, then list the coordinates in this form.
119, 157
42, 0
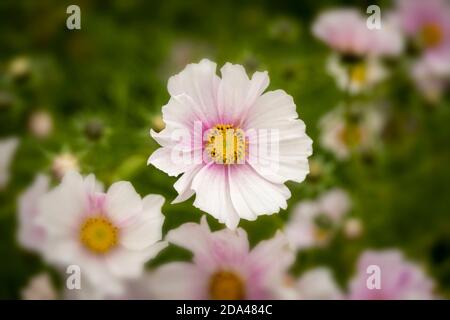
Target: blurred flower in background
7, 150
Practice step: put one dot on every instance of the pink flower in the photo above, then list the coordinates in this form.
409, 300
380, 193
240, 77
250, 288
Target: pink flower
426, 22
233, 145
30, 234
399, 278
346, 31
313, 222
223, 266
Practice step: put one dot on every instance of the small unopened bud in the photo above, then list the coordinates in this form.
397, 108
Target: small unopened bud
94, 130
63, 163
158, 123
40, 124
353, 228
19, 68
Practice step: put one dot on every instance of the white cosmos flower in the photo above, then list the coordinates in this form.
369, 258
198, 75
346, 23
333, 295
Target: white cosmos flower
314, 221
108, 235
30, 234
358, 76
248, 145
8, 147
355, 129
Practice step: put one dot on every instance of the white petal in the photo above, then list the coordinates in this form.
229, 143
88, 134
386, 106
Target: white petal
184, 185
213, 195
199, 82
146, 228
252, 195
122, 203
192, 236
179, 280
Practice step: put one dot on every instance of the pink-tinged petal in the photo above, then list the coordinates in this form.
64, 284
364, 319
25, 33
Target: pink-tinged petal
399, 278
213, 196
122, 203
182, 111
191, 236
318, 284
146, 228
171, 161
267, 266
252, 195
199, 82
179, 280
31, 235
301, 234
335, 204
229, 248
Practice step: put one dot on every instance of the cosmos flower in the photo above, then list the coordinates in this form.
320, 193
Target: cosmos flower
399, 278
223, 265
431, 74
108, 235
427, 23
233, 145
8, 148
30, 234
346, 32
313, 222
356, 77
40, 287
314, 284
347, 130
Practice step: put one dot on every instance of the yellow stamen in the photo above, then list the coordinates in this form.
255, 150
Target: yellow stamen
358, 73
226, 144
98, 235
431, 35
226, 285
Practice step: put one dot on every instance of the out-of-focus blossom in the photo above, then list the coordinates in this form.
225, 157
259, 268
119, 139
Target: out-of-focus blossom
8, 148
108, 235
427, 23
353, 228
30, 235
315, 284
399, 278
432, 75
40, 124
235, 182
223, 265
346, 31
314, 222
347, 130
63, 163
19, 67
356, 77
40, 287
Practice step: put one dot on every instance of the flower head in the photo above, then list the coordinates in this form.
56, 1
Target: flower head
399, 278
346, 31
223, 265
427, 23
314, 222
233, 145
109, 235
344, 131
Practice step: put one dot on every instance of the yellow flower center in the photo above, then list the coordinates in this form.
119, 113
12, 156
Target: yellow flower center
226, 144
98, 235
431, 35
226, 285
351, 135
358, 73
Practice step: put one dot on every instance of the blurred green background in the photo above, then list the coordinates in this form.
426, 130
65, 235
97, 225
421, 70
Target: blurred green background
104, 86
